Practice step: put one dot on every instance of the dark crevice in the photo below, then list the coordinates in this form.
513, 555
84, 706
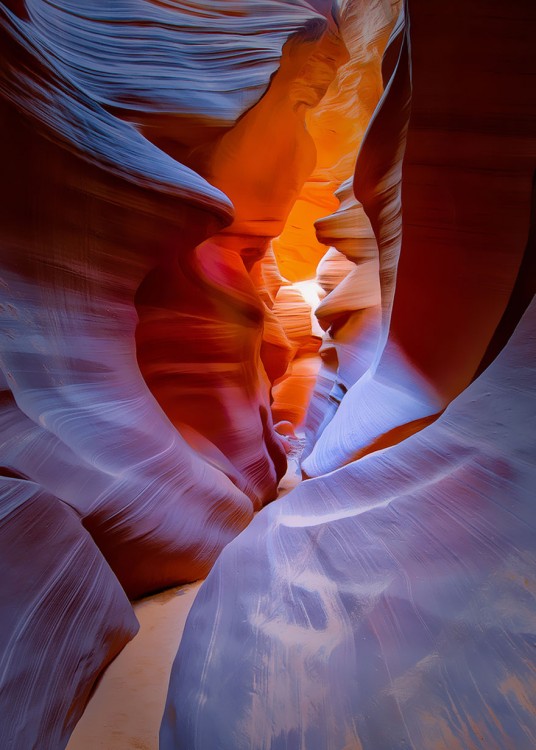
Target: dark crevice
522, 293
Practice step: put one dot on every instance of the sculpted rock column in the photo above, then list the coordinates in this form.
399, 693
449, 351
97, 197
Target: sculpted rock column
351, 312
96, 113
384, 605
204, 364
463, 161
91, 208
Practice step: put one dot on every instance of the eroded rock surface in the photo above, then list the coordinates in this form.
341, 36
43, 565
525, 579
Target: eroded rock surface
153, 152
64, 617
387, 604
102, 126
445, 176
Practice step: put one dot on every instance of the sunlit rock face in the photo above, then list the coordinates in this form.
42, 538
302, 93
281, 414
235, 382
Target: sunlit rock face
201, 322
385, 605
293, 308
444, 175
337, 129
103, 226
386, 602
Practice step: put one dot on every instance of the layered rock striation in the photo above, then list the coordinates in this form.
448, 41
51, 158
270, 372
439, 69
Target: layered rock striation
103, 221
159, 156
386, 604
444, 175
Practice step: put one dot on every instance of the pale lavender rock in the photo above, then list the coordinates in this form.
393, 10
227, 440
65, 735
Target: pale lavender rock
386, 605
91, 205
64, 617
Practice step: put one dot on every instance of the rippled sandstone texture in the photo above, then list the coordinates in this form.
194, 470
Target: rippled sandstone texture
351, 312
386, 605
337, 129
388, 602
444, 175
205, 369
64, 616
111, 224
131, 213
99, 120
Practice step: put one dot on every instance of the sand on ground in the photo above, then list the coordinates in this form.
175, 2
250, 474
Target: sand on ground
126, 708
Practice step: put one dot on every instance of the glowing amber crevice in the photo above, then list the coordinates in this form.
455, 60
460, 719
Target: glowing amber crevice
200, 343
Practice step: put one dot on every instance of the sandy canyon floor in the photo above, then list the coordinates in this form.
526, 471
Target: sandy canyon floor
126, 708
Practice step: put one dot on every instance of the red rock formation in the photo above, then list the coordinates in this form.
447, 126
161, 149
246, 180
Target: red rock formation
130, 214
337, 128
205, 369
442, 159
294, 310
384, 605
95, 205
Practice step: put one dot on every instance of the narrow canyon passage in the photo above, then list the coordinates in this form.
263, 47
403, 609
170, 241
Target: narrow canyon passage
127, 706
267, 371
125, 711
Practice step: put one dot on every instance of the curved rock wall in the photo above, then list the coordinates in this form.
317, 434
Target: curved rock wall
385, 605
98, 202
337, 129
206, 370
387, 602
96, 217
154, 149
445, 176
351, 312
64, 617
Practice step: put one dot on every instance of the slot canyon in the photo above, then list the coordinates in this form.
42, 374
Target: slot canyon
268, 374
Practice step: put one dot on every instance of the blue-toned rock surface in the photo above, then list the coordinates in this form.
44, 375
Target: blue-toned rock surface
388, 604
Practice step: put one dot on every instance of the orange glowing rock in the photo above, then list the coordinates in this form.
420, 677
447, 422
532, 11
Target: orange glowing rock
448, 205
337, 129
191, 355
383, 605
297, 249
292, 392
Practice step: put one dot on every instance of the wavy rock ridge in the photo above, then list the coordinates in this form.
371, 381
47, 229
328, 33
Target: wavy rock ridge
378, 607
387, 601
99, 202
155, 151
